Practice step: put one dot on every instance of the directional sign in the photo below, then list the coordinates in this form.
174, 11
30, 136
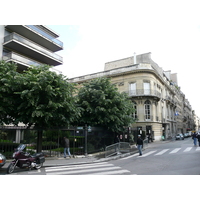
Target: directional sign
80, 128
89, 129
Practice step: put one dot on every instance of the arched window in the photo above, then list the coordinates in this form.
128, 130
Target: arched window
135, 112
147, 108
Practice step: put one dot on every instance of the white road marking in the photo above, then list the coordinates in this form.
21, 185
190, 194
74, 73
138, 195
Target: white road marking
162, 152
175, 150
187, 149
147, 154
34, 171
84, 171
111, 172
74, 167
136, 154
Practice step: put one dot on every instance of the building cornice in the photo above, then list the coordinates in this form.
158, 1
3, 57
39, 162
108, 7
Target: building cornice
132, 69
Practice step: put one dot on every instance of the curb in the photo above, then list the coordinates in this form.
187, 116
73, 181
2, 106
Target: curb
94, 161
92, 156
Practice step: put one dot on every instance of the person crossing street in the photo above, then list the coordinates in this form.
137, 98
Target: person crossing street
139, 144
194, 137
66, 147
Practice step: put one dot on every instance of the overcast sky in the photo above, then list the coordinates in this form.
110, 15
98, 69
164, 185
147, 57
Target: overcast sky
109, 31
96, 32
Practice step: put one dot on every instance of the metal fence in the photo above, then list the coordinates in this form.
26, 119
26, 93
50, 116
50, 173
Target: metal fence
117, 148
52, 140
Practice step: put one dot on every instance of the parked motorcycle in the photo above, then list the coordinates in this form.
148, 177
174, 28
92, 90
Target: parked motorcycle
23, 159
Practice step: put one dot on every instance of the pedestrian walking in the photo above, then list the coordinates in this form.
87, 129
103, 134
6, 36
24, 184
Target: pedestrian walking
198, 138
194, 137
139, 144
66, 147
117, 139
150, 138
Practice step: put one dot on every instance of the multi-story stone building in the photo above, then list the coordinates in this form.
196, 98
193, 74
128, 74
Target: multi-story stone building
29, 45
160, 106
197, 123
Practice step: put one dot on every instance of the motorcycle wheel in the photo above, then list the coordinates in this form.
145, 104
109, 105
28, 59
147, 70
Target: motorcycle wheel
10, 168
38, 166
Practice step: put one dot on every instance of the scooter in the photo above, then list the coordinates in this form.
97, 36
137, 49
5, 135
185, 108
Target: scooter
25, 160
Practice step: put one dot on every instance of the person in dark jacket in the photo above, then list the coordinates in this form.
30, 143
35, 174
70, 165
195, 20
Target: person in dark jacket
139, 144
66, 147
198, 137
194, 137
117, 139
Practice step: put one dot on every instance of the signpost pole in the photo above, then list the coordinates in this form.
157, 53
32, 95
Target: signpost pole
86, 131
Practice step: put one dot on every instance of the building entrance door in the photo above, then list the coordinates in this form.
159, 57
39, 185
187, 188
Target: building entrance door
149, 133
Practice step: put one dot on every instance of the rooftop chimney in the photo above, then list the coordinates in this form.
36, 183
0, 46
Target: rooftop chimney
134, 58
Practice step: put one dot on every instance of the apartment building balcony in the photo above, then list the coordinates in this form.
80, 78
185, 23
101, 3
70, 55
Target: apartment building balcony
38, 34
22, 62
28, 48
144, 93
171, 101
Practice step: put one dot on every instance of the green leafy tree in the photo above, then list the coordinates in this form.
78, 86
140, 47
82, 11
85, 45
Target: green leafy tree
46, 99
38, 97
103, 105
8, 72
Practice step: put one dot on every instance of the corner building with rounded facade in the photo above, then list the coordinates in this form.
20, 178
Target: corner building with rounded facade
160, 107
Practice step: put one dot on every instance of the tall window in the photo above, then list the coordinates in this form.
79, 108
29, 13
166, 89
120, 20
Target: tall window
135, 112
147, 108
146, 86
132, 89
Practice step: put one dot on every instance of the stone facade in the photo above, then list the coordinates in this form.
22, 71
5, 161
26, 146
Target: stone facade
160, 106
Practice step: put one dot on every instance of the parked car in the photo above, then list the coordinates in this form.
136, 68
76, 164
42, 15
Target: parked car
2, 160
179, 136
186, 135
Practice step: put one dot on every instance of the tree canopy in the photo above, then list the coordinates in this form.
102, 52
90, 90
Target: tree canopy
36, 97
102, 105
7, 88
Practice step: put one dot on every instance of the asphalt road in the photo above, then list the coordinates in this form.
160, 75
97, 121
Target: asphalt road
171, 158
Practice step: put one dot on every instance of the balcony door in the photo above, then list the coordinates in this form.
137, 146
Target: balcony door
146, 86
132, 89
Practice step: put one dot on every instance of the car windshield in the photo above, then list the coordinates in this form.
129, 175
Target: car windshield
21, 147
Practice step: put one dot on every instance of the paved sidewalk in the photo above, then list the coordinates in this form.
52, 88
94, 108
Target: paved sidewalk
91, 158
54, 161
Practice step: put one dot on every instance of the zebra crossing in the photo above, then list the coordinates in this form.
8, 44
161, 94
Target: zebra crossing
164, 151
103, 168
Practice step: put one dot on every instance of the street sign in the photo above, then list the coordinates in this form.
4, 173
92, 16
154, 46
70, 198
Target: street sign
80, 128
89, 129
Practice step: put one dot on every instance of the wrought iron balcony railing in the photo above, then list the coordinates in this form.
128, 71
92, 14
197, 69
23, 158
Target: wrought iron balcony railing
144, 92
